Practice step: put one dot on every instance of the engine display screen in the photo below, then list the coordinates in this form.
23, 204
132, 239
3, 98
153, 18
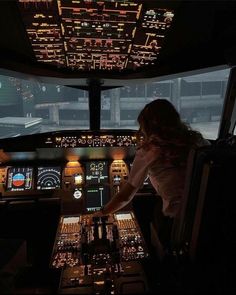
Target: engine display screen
96, 172
19, 178
49, 178
96, 197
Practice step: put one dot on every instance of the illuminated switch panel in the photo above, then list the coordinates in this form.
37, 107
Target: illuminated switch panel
132, 245
98, 242
95, 35
98, 34
43, 27
119, 172
91, 140
68, 243
159, 19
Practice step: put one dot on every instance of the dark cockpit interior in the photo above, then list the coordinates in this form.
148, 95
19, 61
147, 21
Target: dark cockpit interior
74, 76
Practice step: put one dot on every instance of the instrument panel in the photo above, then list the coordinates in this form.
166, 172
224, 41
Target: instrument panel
84, 169
82, 183
90, 183
91, 35
93, 181
98, 254
29, 178
71, 139
90, 140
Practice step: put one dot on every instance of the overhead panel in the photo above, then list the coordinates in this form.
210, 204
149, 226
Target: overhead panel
43, 27
95, 35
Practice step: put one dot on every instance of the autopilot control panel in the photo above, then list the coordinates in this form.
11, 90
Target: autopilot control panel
100, 254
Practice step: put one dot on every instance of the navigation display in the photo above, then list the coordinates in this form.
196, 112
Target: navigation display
49, 178
19, 178
96, 197
96, 172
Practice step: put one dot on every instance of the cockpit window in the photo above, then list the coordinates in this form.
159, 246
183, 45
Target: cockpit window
28, 107
198, 98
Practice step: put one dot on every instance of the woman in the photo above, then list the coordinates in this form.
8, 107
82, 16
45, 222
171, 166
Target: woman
164, 145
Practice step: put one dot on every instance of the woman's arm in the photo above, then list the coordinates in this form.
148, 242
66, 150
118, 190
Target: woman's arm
136, 177
120, 200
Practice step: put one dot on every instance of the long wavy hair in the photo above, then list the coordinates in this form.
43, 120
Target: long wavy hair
161, 126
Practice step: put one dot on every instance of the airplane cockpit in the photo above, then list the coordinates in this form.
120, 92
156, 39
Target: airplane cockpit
74, 76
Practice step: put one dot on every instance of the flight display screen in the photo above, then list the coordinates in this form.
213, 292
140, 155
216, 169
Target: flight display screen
96, 172
19, 178
96, 197
49, 178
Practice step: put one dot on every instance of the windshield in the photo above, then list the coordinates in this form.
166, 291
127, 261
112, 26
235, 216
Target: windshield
29, 106
198, 98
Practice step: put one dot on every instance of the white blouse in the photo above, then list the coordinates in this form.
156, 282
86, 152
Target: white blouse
167, 179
